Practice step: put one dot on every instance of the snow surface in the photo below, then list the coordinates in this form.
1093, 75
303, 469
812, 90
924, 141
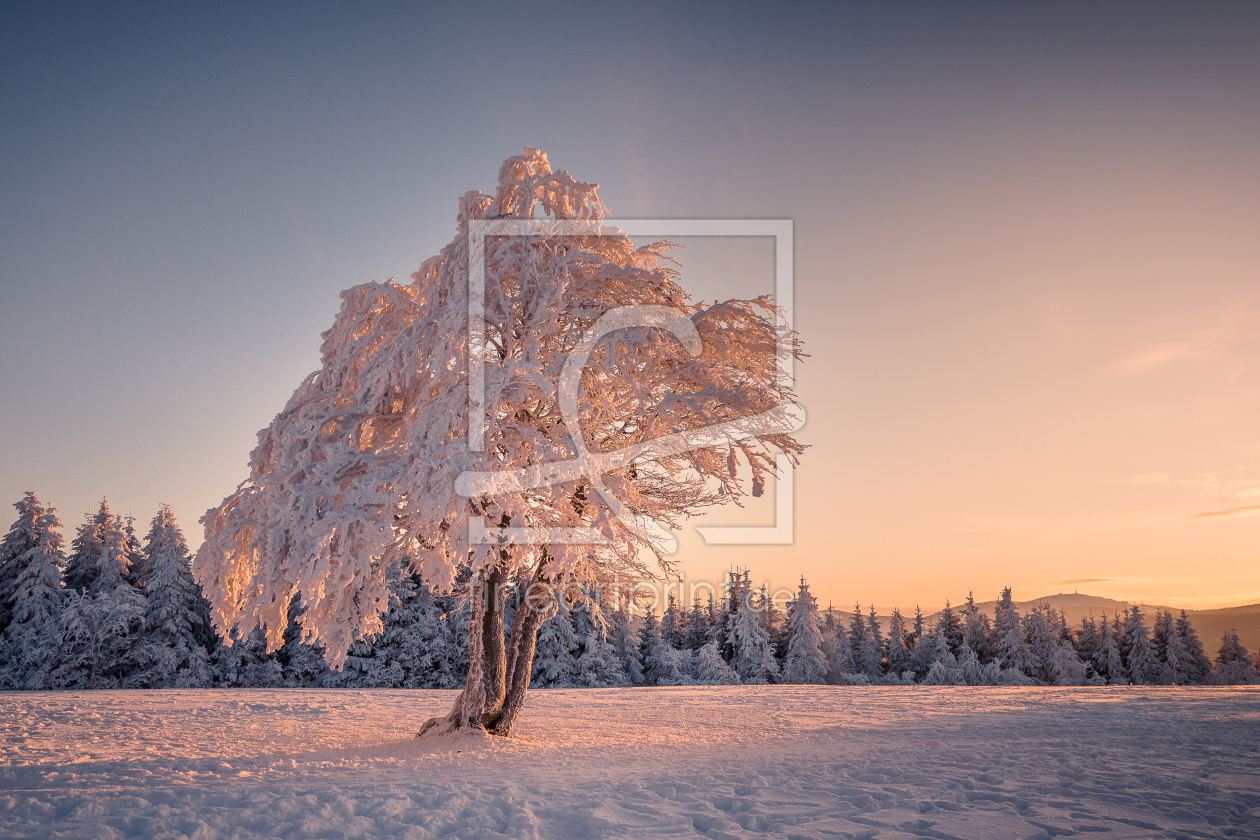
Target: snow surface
737, 761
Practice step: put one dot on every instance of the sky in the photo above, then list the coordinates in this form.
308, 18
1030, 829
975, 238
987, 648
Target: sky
1026, 266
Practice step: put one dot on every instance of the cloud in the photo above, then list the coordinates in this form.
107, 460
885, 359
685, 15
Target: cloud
1085, 580
1210, 343
1247, 510
1154, 358
1231, 488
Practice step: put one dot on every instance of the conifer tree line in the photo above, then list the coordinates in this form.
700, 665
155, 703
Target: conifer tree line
114, 610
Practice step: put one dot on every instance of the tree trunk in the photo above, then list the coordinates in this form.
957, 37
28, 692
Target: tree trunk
497, 678
520, 658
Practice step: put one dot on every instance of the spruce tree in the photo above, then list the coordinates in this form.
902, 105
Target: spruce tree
943, 669
672, 623
754, 656
950, 625
805, 662
1234, 663
1087, 640
916, 630
302, 663
711, 668
1010, 645
137, 571
554, 665
836, 648
872, 650
857, 629
977, 630
1198, 668
22, 539
30, 639
1107, 661
175, 628
85, 548
898, 655
1042, 638
737, 594
1142, 665
599, 665
773, 620
924, 654
1174, 656
622, 637
969, 666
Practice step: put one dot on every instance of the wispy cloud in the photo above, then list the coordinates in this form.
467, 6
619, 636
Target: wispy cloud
1226, 488
1203, 344
1246, 510
1084, 580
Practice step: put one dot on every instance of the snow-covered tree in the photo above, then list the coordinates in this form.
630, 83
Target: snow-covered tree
246, 663
665, 664
1198, 669
754, 655
591, 355
1107, 661
302, 663
86, 547
916, 628
737, 592
969, 665
672, 623
599, 664
22, 539
924, 654
1059, 664
97, 634
949, 623
30, 639
710, 668
871, 658
1234, 663
698, 626
137, 566
554, 663
420, 647
977, 630
835, 647
1169, 650
1009, 642
1087, 640
621, 636
1140, 661
100, 626
944, 668
899, 656
173, 651
857, 629
805, 662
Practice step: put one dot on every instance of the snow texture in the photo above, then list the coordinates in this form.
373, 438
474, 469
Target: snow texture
782, 761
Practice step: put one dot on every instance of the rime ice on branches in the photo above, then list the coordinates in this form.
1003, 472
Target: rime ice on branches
357, 473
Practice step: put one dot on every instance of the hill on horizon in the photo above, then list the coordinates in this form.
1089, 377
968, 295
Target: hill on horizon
1210, 624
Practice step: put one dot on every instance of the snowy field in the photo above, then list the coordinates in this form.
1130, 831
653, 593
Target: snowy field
785, 761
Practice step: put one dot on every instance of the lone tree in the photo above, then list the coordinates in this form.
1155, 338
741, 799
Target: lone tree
612, 406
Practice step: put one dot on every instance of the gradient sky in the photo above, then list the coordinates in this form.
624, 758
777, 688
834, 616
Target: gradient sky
1027, 252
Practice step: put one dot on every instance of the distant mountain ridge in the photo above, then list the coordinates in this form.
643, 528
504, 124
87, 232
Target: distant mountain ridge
1210, 624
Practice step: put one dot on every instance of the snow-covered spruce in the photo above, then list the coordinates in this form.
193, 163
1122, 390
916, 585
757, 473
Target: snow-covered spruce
805, 662
357, 473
